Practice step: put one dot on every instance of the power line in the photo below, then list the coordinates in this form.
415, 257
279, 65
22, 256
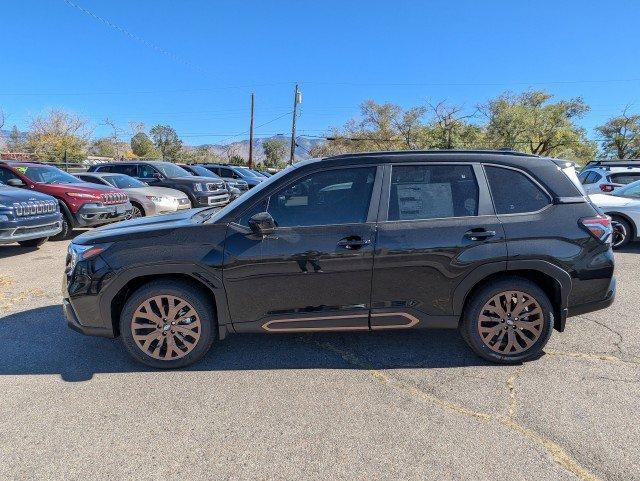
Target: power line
470, 84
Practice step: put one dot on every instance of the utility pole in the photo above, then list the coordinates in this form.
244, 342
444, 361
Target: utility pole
251, 135
297, 99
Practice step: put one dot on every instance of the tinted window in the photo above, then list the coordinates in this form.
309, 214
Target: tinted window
145, 172
624, 177
224, 172
339, 196
126, 169
93, 180
432, 192
6, 174
513, 192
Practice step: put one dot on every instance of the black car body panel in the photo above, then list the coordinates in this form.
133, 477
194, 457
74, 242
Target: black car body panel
26, 215
387, 271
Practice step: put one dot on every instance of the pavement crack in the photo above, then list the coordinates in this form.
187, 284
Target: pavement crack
559, 455
587, 356
610, 329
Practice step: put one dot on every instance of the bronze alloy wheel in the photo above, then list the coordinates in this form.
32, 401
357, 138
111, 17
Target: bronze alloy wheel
166, 327
510, 322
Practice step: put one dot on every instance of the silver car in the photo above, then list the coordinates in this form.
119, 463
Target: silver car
146, 200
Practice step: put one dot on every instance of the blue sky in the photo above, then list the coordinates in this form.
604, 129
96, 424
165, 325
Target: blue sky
193, 64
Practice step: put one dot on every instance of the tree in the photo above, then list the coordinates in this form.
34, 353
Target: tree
16, 141
449, 128
104, 147
142, 146
621, 137
56, 134
274, 151
237, 160
529, 122
166, 141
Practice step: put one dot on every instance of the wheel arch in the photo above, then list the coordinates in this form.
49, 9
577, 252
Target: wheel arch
140, 207
111, 305
634, 228
554, 281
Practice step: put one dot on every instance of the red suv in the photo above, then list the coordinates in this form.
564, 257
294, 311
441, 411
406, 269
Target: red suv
83, 204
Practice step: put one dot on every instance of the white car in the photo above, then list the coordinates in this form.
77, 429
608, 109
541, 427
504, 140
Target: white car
623, 205
606, 177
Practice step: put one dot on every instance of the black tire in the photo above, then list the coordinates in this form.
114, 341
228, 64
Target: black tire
66, 229
33, 242
622, 232
193, 295
469, 328
136, 211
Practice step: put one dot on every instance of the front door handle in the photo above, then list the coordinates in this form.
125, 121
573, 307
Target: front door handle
353, 242
479, 234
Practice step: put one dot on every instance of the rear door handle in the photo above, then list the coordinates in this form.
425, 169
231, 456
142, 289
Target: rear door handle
479, 234
353, 242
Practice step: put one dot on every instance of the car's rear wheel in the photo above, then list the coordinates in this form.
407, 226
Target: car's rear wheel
33, 242
622, 232
508, 321
168, 324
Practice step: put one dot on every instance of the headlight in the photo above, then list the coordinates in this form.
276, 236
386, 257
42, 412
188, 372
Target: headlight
198, 187
4, 218
78, 253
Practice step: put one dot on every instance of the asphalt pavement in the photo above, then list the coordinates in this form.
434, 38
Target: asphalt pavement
385, 405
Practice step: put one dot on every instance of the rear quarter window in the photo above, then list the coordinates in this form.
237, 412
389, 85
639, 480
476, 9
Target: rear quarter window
513, 192
624, 177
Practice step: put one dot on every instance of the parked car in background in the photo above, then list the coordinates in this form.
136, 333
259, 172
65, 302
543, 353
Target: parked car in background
623, 206
202, 191
28, 218
145, 200
234, 172
232, 185
502, 246
82, 204
601, 177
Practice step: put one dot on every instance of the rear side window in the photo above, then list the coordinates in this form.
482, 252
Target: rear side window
624, 177
432, 192
513, 192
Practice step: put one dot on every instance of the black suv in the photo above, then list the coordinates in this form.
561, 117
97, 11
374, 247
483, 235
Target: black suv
202, 191
502, 246
234, 172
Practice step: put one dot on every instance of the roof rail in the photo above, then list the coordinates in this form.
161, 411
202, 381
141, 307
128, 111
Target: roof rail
434, 152
613, 163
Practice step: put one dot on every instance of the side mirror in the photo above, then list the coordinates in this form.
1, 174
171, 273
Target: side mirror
262, 224
15, 183
158, 176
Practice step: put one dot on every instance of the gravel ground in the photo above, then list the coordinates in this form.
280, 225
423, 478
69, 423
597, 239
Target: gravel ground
332, 406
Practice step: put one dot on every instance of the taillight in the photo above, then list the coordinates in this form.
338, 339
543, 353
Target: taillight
599, 227
607, 187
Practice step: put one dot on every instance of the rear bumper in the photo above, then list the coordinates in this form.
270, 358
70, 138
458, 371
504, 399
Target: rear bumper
595, 305
98, 214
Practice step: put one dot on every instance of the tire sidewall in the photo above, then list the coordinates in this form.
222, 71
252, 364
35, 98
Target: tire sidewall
194, 296
469, 325
627, 228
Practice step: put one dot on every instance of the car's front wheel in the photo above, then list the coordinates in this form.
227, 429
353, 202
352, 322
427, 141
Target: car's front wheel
168, 324
508, 321
622, 232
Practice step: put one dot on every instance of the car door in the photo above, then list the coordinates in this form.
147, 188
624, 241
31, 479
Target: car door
436, 226
314, 272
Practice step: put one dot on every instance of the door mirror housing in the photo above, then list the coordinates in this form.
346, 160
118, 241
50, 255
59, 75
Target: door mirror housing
262, 224
158, 176
16, 183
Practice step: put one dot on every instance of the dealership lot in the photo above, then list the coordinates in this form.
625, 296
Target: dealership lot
366, 405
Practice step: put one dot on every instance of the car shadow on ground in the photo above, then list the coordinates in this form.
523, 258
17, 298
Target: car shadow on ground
38, 341
11, 250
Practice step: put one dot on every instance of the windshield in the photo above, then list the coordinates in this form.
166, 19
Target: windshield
629, 190
124, 181
203, 171
171, 170
212, 215
247, 172
46, 174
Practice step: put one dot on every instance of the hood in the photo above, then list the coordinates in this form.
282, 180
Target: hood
9, 195
158, 191
192, 179
602, 200
142, 227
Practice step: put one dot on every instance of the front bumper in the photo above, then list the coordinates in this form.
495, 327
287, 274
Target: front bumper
212, 200
99, 214
23, 229
74, 323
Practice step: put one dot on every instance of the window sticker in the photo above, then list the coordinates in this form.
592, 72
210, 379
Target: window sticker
22, 169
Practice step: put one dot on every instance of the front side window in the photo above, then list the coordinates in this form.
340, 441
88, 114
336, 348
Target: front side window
146, 172
432, 192
338, 196
513, 192
6, 175
624, 177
